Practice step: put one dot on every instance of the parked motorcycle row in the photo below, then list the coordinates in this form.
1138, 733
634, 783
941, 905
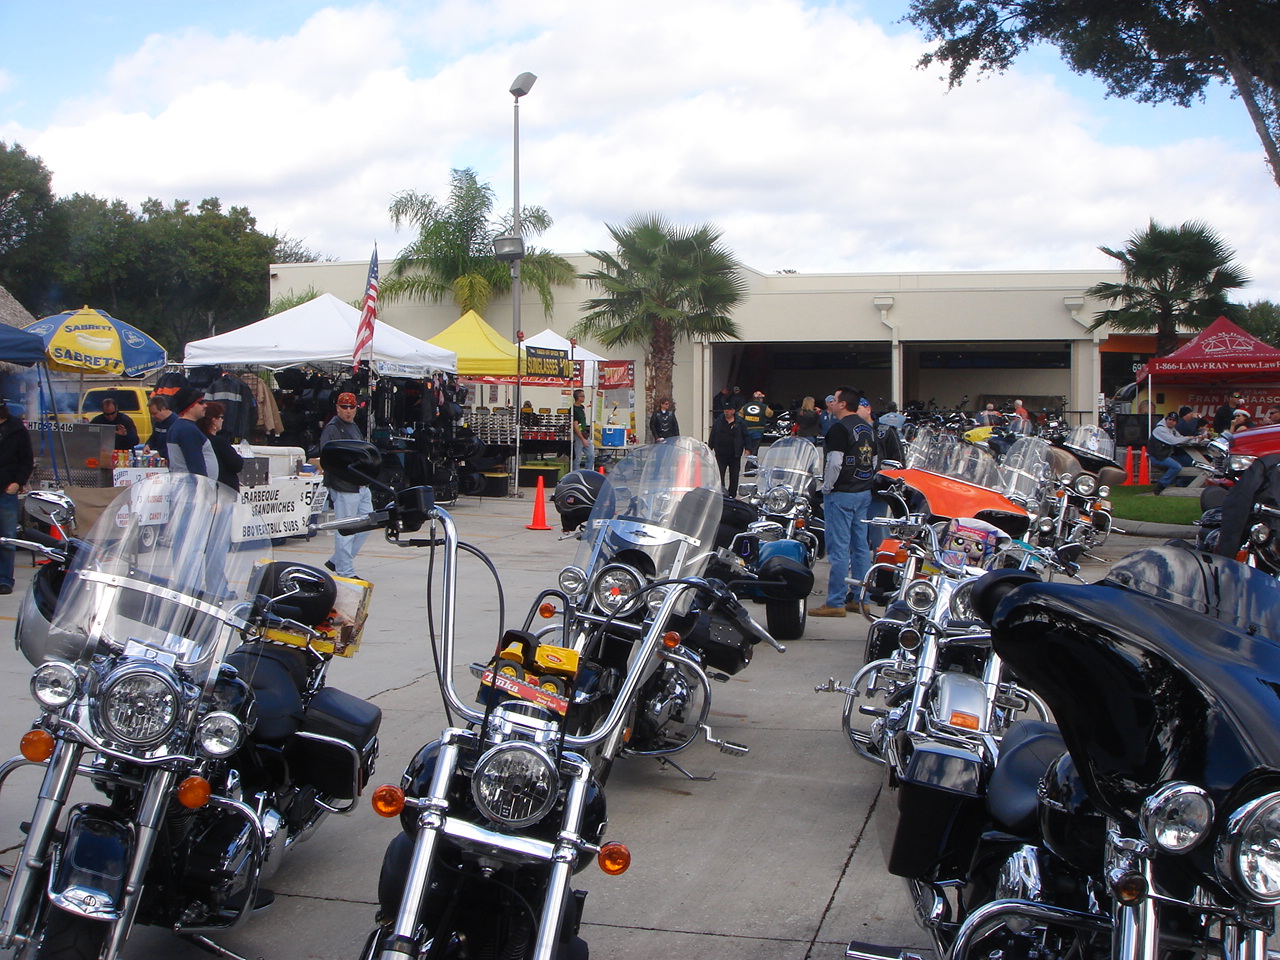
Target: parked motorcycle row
1066, 768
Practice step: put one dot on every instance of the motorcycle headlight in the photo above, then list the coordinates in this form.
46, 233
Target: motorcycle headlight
1238, 463
778, 500
515, 784
1085, 484
54, 684
1248, 853
1104, 491
1177, 817
920, 596
573, 581
219, 734
614, 586
1259, 534
1046, 524
138, 706
961, 605
656, 596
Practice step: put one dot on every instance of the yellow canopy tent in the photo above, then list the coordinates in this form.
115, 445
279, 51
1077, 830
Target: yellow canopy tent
482, 350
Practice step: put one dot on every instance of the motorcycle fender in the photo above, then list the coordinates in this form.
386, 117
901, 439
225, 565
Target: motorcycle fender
89, 868
959, 695
791, 549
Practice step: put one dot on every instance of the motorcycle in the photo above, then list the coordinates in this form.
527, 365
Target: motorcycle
502, 810
929, 663
782, 522
1085, 468
182, 673
1146, 823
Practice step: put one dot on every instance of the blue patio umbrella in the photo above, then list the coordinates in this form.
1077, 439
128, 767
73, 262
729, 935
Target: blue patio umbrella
93, 341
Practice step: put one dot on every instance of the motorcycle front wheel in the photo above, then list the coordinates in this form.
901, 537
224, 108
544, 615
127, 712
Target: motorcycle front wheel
786, 618
69, 937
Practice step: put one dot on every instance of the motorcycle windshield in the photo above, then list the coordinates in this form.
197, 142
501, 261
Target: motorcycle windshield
658, 512
1092, 441
931, 451
791, 462
1024, 468
942, 454
165, 576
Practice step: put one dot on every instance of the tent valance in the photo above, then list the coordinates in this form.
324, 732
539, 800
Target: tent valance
1221, 353
322, 330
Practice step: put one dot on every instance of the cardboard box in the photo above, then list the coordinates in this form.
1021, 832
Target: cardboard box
345, 625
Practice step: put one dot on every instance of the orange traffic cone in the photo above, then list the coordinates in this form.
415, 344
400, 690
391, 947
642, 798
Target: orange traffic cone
539, 508
1144, 468
600, 470
1128, 469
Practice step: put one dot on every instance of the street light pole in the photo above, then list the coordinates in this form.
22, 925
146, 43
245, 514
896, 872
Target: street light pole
519, 87
515, 250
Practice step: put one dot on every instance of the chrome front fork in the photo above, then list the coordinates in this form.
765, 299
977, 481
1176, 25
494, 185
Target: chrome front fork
30, 870
150, 820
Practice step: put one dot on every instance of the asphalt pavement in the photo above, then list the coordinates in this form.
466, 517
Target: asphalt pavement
773, 857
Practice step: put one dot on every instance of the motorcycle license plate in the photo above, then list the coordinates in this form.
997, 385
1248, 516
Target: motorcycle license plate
525, 691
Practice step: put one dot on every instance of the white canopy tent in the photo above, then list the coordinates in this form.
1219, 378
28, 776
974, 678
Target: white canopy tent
548, 339
322, 330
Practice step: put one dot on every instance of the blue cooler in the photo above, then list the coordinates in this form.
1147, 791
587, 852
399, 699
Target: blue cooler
611, 436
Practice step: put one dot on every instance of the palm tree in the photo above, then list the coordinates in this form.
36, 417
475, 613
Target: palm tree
664, 284
453, 252
1173, 277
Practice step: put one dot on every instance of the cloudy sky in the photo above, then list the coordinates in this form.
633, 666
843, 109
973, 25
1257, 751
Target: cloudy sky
801, 128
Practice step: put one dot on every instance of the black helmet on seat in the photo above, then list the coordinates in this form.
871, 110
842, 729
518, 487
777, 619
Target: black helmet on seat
575, 495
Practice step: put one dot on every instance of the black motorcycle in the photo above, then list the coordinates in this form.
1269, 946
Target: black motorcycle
1146, 823
502, 810
180, 672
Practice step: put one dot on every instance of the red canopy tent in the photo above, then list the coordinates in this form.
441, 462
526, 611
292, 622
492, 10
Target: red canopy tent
1220, 353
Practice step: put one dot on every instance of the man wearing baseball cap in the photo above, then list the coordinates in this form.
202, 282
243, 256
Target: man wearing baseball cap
188, 446
348, 499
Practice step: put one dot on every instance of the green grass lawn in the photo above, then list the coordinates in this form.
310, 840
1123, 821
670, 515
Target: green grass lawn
1137, 503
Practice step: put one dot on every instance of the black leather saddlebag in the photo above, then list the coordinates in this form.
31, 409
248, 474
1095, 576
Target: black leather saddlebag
339, 770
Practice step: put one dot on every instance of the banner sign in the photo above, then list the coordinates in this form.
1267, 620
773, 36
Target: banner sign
616, 374
277, 510
552, 364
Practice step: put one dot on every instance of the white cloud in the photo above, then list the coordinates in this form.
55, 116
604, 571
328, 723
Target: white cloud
807, 135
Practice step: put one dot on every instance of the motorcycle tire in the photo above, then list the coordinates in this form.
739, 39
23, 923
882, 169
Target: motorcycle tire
69, 937
786, 618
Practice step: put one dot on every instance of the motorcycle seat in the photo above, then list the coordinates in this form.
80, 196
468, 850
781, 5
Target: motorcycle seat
278, 675
1026, 751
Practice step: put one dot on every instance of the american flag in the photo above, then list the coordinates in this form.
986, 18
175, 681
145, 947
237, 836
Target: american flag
368, 312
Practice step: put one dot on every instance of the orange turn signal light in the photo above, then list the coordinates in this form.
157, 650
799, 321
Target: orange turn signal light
671, 639
194, 792
1130, 888
387, 800
36, 745
966, 721
614, 859
547, 611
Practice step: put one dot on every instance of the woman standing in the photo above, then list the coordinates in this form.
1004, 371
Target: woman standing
230, 463
807, 420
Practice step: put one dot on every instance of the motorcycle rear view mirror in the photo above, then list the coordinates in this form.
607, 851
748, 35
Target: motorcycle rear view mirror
890, 465
353, 461
55, 509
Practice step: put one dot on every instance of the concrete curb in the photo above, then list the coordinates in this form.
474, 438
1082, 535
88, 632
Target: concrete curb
1163, 531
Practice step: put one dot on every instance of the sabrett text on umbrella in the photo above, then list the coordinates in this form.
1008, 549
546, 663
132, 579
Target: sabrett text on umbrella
84, 359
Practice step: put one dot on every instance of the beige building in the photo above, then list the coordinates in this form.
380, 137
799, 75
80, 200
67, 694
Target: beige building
944, 338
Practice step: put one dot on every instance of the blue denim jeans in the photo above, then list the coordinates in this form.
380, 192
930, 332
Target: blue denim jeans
1171, 466
846, 537
345, 548
8, 528
584, 453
